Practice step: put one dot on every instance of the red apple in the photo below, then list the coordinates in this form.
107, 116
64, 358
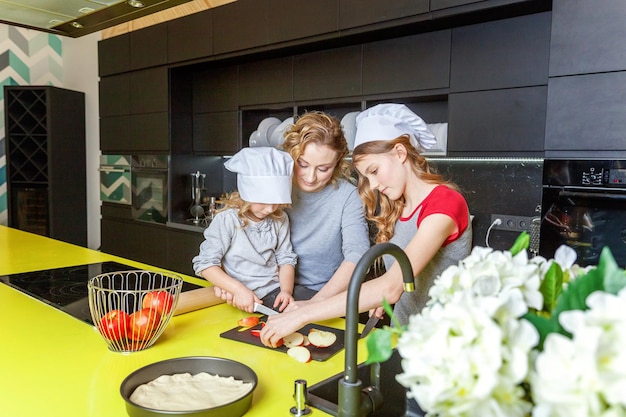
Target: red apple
161, 301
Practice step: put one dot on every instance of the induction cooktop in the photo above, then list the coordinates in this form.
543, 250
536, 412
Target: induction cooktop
66, 288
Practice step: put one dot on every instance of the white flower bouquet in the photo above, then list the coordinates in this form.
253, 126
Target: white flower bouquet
505, 335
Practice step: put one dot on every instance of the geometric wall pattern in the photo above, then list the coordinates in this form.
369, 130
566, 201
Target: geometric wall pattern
27, 57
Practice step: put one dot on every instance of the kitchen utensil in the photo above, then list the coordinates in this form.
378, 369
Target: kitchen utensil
244, 335
125, 291
278, 136
369, 325
348, 124
260, 308
193, 365
196, 299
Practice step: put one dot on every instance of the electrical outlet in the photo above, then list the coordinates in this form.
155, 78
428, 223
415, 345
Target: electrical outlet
512, 223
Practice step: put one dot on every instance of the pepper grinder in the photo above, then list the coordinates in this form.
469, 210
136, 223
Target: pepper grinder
197, 189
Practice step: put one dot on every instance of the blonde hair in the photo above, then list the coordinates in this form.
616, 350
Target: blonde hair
321, 129
380, 210
235, 201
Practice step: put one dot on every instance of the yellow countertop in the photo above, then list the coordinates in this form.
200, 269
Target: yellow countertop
55, 365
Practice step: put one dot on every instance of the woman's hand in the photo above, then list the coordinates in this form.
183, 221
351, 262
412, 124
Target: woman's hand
283, 300
279, 326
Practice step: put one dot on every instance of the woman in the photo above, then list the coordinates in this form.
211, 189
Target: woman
328, 228
410, 206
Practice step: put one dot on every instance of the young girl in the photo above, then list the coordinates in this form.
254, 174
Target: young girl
247, 250
409, 205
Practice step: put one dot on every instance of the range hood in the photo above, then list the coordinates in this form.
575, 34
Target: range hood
75, 18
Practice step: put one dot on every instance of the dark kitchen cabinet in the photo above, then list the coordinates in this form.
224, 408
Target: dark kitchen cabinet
240, 25
216, 133
148, 47
328, 74
587, 37
295, 19
507, 122
46, 174
182, 246
586, 113
268, 81
114, 55
215, 90
444, 4
397, 65
114, 95
190, 37
142, 242
149, 91
135, 112
502, 54
354, 13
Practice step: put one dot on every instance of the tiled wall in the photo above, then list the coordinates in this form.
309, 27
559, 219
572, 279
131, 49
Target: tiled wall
27, 57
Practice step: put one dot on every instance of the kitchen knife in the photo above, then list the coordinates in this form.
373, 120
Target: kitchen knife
260, 308
369, 325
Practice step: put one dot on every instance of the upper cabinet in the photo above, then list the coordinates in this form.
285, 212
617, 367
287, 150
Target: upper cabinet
354, 13
587, 37
114, 55
266, 82
502, 54
190, 37
148, 47
215, 89
287, 21
327, 74
397, 65
240, 25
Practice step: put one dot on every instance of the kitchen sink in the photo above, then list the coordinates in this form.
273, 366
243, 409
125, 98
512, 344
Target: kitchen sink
324, 395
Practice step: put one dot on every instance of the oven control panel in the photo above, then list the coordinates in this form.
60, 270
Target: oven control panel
585, 173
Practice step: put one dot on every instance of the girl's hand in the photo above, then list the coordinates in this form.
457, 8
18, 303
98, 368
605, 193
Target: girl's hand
244, 300
224, 295
378, 312
283, 300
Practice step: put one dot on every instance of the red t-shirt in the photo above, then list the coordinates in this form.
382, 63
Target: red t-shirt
444, 200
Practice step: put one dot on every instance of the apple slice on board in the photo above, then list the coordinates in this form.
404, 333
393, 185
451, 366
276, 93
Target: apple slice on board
321, 338
293, 340
299, 353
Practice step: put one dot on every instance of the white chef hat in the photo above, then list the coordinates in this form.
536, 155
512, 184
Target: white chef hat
389, 121
263, 175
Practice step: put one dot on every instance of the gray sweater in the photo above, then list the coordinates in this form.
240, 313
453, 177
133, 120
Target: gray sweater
327, 227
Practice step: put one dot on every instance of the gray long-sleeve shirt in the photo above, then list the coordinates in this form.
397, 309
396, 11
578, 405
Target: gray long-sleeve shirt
327, 228
250, 254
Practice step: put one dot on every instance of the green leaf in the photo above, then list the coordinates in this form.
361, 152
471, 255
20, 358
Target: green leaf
544, 326
551, 287
379, 344
521, 243
614, 277
575, 295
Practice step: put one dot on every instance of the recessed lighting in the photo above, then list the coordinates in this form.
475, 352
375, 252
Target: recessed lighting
86, 10
135, 3
76, 25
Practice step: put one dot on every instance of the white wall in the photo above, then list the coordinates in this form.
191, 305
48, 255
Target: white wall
80, 73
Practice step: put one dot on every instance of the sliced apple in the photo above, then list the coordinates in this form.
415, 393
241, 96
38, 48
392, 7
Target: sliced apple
299, 353
249, 321
306, 341
293, 340
321, 338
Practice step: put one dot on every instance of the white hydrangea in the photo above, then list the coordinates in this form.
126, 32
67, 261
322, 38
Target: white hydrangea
584, 376
468, 357
489, 273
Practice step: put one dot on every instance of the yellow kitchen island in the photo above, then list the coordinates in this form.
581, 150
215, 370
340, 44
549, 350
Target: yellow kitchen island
54, 365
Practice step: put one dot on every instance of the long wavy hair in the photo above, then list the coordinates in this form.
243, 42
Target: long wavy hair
235, 201
380, 210
321, 129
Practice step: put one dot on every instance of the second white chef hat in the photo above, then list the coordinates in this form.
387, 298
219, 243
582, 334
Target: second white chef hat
389, 121
263, 175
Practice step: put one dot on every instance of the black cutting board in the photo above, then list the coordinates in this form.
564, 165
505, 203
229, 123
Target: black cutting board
317, 353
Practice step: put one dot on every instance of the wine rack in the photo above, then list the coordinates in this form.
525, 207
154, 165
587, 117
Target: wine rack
46, 175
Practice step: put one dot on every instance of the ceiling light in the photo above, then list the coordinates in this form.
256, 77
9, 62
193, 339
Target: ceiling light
76, 25
135, 3
86, 10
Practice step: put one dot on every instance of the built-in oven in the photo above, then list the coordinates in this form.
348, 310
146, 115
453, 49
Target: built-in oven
584, 207
149, 183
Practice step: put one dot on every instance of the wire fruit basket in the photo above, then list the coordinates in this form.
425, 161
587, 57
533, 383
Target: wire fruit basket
131, 309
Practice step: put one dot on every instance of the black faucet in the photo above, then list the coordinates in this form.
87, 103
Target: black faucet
354, 401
